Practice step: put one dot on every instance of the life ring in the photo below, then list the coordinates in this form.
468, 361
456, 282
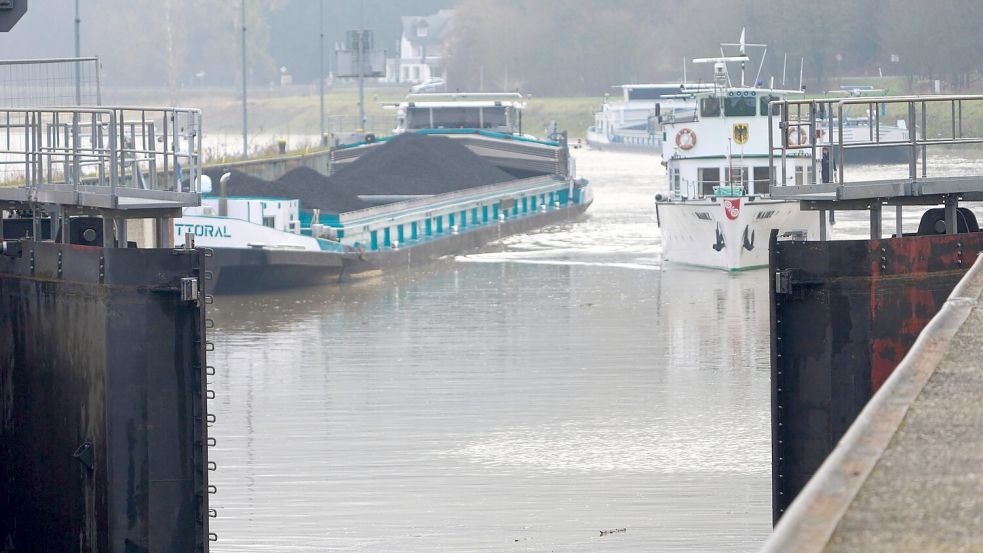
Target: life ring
686, 139
797, 138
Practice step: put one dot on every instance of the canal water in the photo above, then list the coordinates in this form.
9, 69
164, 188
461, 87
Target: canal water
560, 391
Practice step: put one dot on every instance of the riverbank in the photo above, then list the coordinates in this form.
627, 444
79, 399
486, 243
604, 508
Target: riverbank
294, 112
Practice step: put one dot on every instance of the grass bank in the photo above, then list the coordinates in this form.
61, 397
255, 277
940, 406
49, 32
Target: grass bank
292, 115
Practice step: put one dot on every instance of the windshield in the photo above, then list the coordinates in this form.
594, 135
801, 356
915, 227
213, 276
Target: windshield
740, 106
492, 117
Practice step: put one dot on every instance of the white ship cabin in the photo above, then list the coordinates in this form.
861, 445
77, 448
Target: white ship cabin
493, 112
638, 105
720, 145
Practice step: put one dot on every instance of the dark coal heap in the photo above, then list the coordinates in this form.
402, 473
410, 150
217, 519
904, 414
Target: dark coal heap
314, 190
412, 164
407, 165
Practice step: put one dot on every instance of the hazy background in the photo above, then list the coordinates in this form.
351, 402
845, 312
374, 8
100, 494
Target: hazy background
546, 47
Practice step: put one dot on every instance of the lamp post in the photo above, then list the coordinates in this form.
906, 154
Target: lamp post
245, 114
361, 66
78, 54
324, 139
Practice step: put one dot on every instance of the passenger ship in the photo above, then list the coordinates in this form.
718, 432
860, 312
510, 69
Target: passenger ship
717, 212
632, 124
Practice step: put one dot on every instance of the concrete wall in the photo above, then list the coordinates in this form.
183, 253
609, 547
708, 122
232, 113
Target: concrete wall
272, 168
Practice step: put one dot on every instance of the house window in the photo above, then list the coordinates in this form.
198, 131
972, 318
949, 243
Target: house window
269, 221
423, 30
416, 73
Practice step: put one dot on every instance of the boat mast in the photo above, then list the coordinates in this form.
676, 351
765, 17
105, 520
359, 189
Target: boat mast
742, 53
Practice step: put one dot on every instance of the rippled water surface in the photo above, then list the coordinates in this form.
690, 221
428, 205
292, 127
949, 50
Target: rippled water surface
522, 398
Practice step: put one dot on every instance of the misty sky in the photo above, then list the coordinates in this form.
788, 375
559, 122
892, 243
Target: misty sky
47, 30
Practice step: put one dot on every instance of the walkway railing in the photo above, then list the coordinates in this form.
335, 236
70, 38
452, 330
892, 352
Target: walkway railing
116, 158
818, 124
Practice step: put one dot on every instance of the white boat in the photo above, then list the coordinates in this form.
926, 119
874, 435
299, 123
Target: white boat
872, 126
716, 212
632, 123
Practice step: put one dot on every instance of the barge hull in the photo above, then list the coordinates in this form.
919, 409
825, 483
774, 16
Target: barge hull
843, 315
244, 270
240, 270
462, 242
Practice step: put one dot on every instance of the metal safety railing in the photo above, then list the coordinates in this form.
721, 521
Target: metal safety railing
119, 157
824, 126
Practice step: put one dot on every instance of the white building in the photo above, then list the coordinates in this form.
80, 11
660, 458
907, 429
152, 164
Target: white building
423, 45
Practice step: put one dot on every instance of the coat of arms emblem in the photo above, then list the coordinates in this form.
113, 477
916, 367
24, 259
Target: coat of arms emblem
741, 133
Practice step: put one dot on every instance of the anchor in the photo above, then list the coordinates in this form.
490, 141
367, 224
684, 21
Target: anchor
719, 244
748, 244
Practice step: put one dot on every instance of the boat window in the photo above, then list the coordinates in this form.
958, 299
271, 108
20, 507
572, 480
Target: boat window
762, 180
803, 175
675, 180
708, 177
493, 117
652, 93
765, 100
736, 176
710, 107
740, 106
457, 118
417, 118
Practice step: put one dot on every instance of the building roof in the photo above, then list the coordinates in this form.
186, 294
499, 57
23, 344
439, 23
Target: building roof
438, 26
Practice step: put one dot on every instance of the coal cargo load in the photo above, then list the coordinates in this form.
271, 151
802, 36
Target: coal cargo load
314, 190
414, 164
407, 165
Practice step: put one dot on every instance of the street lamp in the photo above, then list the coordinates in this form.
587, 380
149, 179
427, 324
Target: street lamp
245, 114
324, 138
78, 54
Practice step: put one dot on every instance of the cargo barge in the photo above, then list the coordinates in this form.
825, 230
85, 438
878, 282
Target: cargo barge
457, 175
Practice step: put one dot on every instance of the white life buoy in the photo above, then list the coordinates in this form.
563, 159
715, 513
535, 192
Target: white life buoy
686, 139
